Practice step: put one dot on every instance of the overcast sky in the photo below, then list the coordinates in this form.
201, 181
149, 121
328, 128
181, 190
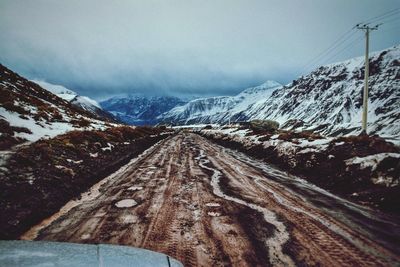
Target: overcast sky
102, 48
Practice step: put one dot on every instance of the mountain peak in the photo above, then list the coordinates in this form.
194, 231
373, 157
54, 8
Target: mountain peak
266, 86
74, 98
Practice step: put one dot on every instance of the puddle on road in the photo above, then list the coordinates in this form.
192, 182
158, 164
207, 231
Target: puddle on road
126, 203
85, 236
135, 188
197, 215
212, 204
127, 219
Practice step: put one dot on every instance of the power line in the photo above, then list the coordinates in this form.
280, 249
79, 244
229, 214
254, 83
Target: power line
382, 16
327, 51
391, 20
386, 30
346, 36
344, 48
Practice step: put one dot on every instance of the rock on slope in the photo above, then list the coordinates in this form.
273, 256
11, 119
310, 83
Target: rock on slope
218, 109
29, 112
82, 102
139, 109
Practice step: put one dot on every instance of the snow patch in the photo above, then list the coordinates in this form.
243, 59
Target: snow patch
135, 188
213, 214
109, 147
212, 204
371, 161
126, 203
75, 161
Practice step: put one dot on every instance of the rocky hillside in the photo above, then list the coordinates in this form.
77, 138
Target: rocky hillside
218, 109
139, 109
82, 102
329, 99
28, 112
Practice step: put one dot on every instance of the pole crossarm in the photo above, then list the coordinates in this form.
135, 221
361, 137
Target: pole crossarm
367, 27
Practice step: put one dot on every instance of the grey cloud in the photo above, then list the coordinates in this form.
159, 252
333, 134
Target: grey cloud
101, 48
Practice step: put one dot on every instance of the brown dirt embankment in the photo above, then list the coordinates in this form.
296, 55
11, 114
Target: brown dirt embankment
327, 167
40, 178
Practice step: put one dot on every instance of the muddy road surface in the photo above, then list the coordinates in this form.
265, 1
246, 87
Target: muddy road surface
206, 205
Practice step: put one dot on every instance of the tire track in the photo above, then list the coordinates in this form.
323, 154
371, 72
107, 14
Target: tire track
280, 237
338, 241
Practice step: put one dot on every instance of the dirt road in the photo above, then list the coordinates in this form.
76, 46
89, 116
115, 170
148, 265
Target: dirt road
210, 206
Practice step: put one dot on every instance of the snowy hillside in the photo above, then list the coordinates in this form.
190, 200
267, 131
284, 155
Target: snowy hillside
29, 112
329, 99
83, 102
139, 109
218, 109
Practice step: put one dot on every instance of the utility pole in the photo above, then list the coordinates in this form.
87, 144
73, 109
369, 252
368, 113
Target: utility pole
367, 29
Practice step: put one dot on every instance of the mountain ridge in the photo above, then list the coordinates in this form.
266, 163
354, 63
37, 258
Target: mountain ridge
219, 108
138, 109
328, 100
83, 102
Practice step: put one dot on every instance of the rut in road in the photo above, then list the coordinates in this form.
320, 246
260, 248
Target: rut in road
193, 200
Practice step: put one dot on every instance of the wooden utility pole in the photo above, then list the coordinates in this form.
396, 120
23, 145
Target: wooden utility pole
367, 30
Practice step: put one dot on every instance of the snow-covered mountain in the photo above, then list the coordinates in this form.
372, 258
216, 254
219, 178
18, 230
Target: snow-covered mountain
29, 112
329, 99
218, 109
82, 102
139, 109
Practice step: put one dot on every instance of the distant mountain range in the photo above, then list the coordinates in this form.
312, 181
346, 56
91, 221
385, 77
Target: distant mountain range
218, 109
328, 100
139, 109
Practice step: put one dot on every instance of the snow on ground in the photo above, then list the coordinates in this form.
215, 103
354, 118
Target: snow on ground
212, 204
45, 129
193, 126
135, 188
371, 161
246, 137
69, 95
38, 130
56, 89
298, 146
109, 147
